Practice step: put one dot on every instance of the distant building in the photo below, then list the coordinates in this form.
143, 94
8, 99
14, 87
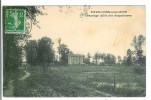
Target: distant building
76, 59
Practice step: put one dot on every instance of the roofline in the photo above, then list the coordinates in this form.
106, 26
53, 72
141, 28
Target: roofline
76, 55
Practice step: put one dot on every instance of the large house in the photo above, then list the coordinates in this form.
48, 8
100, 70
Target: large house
75, 59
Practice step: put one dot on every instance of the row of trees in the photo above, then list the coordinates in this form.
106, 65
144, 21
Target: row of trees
136, 56
42, 52
133, 57
39, 52
106, 59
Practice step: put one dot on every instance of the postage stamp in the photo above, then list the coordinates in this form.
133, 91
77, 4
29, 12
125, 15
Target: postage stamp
15, 21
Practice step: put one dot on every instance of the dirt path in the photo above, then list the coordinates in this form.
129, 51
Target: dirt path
25, 76
94, 92
9, 92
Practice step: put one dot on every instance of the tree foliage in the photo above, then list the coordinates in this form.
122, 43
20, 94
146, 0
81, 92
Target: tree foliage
107, 59
129, 57
110, 59
138, 44
31, 52
87, 59
64, 51
13, 43
45, 51
96, 57
119, 60
137, 57
12, 53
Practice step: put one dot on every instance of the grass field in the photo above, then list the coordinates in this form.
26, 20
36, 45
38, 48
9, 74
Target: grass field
82, 81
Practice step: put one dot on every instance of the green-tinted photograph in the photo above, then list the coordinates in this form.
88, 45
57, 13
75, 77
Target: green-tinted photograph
74, 51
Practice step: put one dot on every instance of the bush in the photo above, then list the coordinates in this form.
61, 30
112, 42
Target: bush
131, 92
139, 70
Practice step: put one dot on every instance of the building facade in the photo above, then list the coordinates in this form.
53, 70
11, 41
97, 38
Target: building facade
75, 59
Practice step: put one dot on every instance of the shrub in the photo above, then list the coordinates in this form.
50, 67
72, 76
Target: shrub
139, 70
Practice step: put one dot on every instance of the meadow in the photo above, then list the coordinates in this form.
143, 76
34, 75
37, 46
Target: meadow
81, 81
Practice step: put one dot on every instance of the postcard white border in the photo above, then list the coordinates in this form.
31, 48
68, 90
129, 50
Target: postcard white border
147, 3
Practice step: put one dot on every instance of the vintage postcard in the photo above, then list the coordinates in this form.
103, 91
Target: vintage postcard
74, 51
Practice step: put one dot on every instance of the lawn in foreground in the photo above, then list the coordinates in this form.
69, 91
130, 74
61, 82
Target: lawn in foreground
81, 81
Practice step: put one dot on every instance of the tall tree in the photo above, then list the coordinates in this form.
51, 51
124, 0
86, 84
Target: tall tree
45, 51
87, 59
13, 43
12, 53
129, 57
102, 56
138, 43
64, 51
96, 57
59, 42
124, 61
119, 60
110, 59
31, 52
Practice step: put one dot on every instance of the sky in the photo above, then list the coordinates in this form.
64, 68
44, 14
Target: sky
85, 35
